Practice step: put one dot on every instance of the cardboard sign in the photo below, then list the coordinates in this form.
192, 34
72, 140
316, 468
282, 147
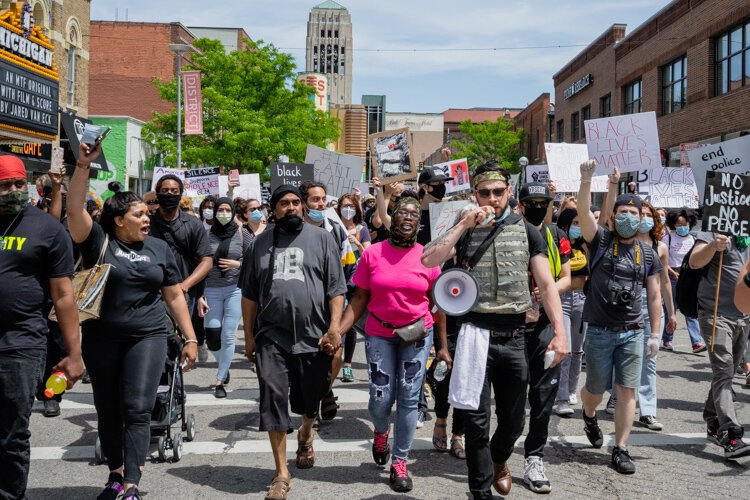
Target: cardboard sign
339, 172
390, 155
443, 216
459, 171
564, 163
729, 156
201, 182
248, 189
668, 187
628, 142
160, 172
290, 173
726, 204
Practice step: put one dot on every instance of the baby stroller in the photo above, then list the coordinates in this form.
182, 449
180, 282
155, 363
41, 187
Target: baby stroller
169, 407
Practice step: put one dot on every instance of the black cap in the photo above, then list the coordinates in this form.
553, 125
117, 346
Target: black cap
432, 174
281, 191
628, 199
534, 190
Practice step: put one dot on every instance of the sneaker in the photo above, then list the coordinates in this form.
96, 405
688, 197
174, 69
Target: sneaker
650, 422
563, 409
698, 347
381, 450
734, 446
667, 346
132, 494
572, 400
712, 434
113, 488
202, 353
611, 405
51, 408
347, 375
220, 392
421, 418
400, 480
534, 475
85, 378
593, 431
621, 461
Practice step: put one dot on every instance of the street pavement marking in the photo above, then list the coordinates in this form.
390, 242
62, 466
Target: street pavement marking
251, 446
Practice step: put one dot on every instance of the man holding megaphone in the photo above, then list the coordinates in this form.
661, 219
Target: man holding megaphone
499, 250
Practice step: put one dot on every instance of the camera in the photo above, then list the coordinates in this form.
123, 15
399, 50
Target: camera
620, 296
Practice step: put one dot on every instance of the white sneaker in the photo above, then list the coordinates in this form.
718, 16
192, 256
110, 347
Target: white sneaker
202, 353
563, 409
611, 405
534, 475
573, 399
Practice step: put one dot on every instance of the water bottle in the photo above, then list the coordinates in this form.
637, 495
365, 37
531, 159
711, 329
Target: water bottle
440, 370
56, 384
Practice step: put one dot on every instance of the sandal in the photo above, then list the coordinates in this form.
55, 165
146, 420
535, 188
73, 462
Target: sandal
457, 448
279, 488
440, 442
305, 452
328, 407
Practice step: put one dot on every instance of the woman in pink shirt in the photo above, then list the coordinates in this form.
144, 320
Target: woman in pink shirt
394, 286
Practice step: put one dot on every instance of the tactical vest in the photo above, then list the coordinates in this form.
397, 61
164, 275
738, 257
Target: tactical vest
503, 270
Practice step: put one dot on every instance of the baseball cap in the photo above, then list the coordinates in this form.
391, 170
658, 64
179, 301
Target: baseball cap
432, 174
628, 199
534, 190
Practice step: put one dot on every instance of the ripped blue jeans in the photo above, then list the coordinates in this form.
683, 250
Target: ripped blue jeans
396, 375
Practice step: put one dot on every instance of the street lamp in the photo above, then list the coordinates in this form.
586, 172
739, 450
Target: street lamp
179, 49
523, 161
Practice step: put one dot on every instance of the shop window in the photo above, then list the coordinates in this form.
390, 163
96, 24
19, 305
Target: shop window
732, 67
674, 86
575, 127
74, 41
633, 97
605, 106
585, 115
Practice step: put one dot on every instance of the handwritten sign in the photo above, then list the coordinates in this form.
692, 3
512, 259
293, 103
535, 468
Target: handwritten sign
339, 172
249, 187
564, 163
201, 182
290, 173
390, 155
729, 156
160, 172
443, 216
459, 171
726, 204
685, 148
628, 142
668, 187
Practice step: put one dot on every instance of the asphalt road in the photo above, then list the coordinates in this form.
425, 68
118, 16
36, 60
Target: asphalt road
231, 459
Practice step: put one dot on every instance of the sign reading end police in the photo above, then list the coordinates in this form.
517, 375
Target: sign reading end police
727, 204
291, 173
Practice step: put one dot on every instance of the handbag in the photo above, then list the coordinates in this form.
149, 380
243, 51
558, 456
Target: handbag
88, 288
408, 333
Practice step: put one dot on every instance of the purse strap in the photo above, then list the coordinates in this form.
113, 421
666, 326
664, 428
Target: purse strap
104, 249
385, 324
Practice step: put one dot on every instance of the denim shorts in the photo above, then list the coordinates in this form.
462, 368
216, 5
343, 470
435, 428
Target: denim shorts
608, 350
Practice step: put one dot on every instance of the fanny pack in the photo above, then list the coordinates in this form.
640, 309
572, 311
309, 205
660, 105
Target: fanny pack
408, 333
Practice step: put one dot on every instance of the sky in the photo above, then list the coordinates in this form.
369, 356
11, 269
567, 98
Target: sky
526, 37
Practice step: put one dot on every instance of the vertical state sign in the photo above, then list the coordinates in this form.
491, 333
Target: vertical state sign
191, 83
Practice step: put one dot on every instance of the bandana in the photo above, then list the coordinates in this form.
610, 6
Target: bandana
489, 176
397, 238
741, 242
11, 167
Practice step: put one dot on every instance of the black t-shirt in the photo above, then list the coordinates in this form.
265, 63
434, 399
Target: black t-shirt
424, 236
34, 249
503, 322
381, 233
132, 306
188, 240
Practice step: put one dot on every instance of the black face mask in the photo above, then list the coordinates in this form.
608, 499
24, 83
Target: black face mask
534, 216
291, 223
169, 202
438, 191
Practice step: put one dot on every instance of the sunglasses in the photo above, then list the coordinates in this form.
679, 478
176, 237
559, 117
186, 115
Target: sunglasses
535, 204
497, 192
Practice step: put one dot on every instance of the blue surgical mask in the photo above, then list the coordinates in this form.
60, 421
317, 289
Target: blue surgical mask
627, 225
647, 223
208, 213
256, 215
682, 230
574, 232
316, 215
505, 214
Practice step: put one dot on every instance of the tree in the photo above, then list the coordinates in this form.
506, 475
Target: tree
490, 141
253, 111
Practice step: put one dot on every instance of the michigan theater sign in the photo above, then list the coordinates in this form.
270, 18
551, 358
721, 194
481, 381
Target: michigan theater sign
28, 78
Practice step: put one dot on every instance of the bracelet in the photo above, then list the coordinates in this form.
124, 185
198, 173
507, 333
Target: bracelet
191, 341
84, 166
586, 181
614, 183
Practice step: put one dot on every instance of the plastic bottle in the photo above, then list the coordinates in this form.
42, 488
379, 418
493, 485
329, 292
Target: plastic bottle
440, 370
56, 384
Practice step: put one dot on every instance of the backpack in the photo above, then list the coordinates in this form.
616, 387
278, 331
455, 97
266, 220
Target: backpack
601, 251
686, 294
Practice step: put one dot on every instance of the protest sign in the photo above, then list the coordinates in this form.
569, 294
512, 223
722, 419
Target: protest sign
628, 142
685, 148
290, 173
443, 216
729, 156
339, 172
668, 187
537, 173
160, 172
459, 171
564, 163
201, 182
726, 204
390, 155
248, 189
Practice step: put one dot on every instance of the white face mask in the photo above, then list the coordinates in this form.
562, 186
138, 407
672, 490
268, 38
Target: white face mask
348, 213
208, 214
224, 218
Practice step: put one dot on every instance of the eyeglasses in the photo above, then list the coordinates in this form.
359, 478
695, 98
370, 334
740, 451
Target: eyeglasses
535, 204
497, 192
406, 214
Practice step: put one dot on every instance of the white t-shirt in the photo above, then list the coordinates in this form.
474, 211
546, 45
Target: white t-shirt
678, 246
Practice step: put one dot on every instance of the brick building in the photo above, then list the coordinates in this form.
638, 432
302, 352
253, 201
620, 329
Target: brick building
535, 120
690, 63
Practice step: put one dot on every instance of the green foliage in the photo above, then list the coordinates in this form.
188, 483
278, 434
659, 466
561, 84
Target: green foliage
489, 141
253, 111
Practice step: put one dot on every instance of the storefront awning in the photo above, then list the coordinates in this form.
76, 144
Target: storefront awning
72, 131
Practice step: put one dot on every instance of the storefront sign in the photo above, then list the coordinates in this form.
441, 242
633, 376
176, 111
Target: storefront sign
577, 86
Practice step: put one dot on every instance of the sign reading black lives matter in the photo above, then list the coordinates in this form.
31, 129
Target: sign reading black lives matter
290, 173
726, 204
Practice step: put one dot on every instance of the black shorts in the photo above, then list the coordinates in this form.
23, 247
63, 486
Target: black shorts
297, 380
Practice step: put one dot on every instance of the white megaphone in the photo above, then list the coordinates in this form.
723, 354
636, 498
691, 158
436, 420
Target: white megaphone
455, 292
